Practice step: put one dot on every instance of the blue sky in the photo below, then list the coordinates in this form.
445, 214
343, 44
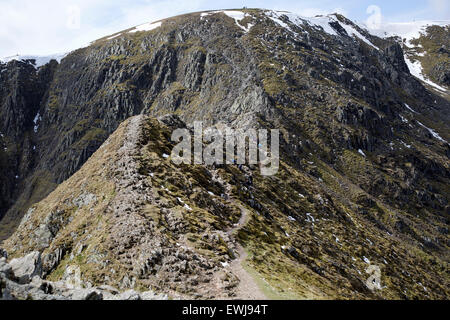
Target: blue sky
52, 26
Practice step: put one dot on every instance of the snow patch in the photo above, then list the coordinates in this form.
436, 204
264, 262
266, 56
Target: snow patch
324, 23
433, 133
409, 108
236, 15
406, 145
353, 32
146, 27
406, 30
404, 120
36, 121
40, 60
310, 218
112, 37
415, 68
319, 22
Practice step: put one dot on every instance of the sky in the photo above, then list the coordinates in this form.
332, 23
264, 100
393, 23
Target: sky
30, 27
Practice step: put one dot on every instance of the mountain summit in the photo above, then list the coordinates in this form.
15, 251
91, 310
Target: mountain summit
362, 190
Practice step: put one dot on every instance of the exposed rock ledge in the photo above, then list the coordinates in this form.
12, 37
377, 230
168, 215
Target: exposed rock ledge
20, 279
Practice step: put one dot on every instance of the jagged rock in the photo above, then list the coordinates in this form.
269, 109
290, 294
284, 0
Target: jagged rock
84, 199
86, 294
27, 267
51, 260
6, 269
441, 72
14, 287
395, 56
129, 295
172, 121
150, 295
293, 252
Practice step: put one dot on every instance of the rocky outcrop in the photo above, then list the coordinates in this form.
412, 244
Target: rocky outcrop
395, 57
27, 268
20, 280
132, 249
22, 90
441, 72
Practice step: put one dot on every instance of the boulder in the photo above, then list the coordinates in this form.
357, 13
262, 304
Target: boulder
129, 295
150, 295
51, 261
5, 269
27, 267
86, 294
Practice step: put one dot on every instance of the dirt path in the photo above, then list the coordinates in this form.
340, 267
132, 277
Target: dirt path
247, 289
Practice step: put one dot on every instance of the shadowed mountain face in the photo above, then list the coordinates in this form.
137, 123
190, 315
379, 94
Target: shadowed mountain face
364, 175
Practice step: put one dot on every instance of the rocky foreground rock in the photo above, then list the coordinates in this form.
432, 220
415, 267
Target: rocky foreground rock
20, 279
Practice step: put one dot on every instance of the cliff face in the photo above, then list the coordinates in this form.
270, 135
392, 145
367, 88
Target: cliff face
22, 89
364, 148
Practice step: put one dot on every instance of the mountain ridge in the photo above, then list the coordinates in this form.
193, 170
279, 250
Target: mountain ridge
363, 171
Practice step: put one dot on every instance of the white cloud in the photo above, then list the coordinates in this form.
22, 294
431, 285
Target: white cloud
51, 26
